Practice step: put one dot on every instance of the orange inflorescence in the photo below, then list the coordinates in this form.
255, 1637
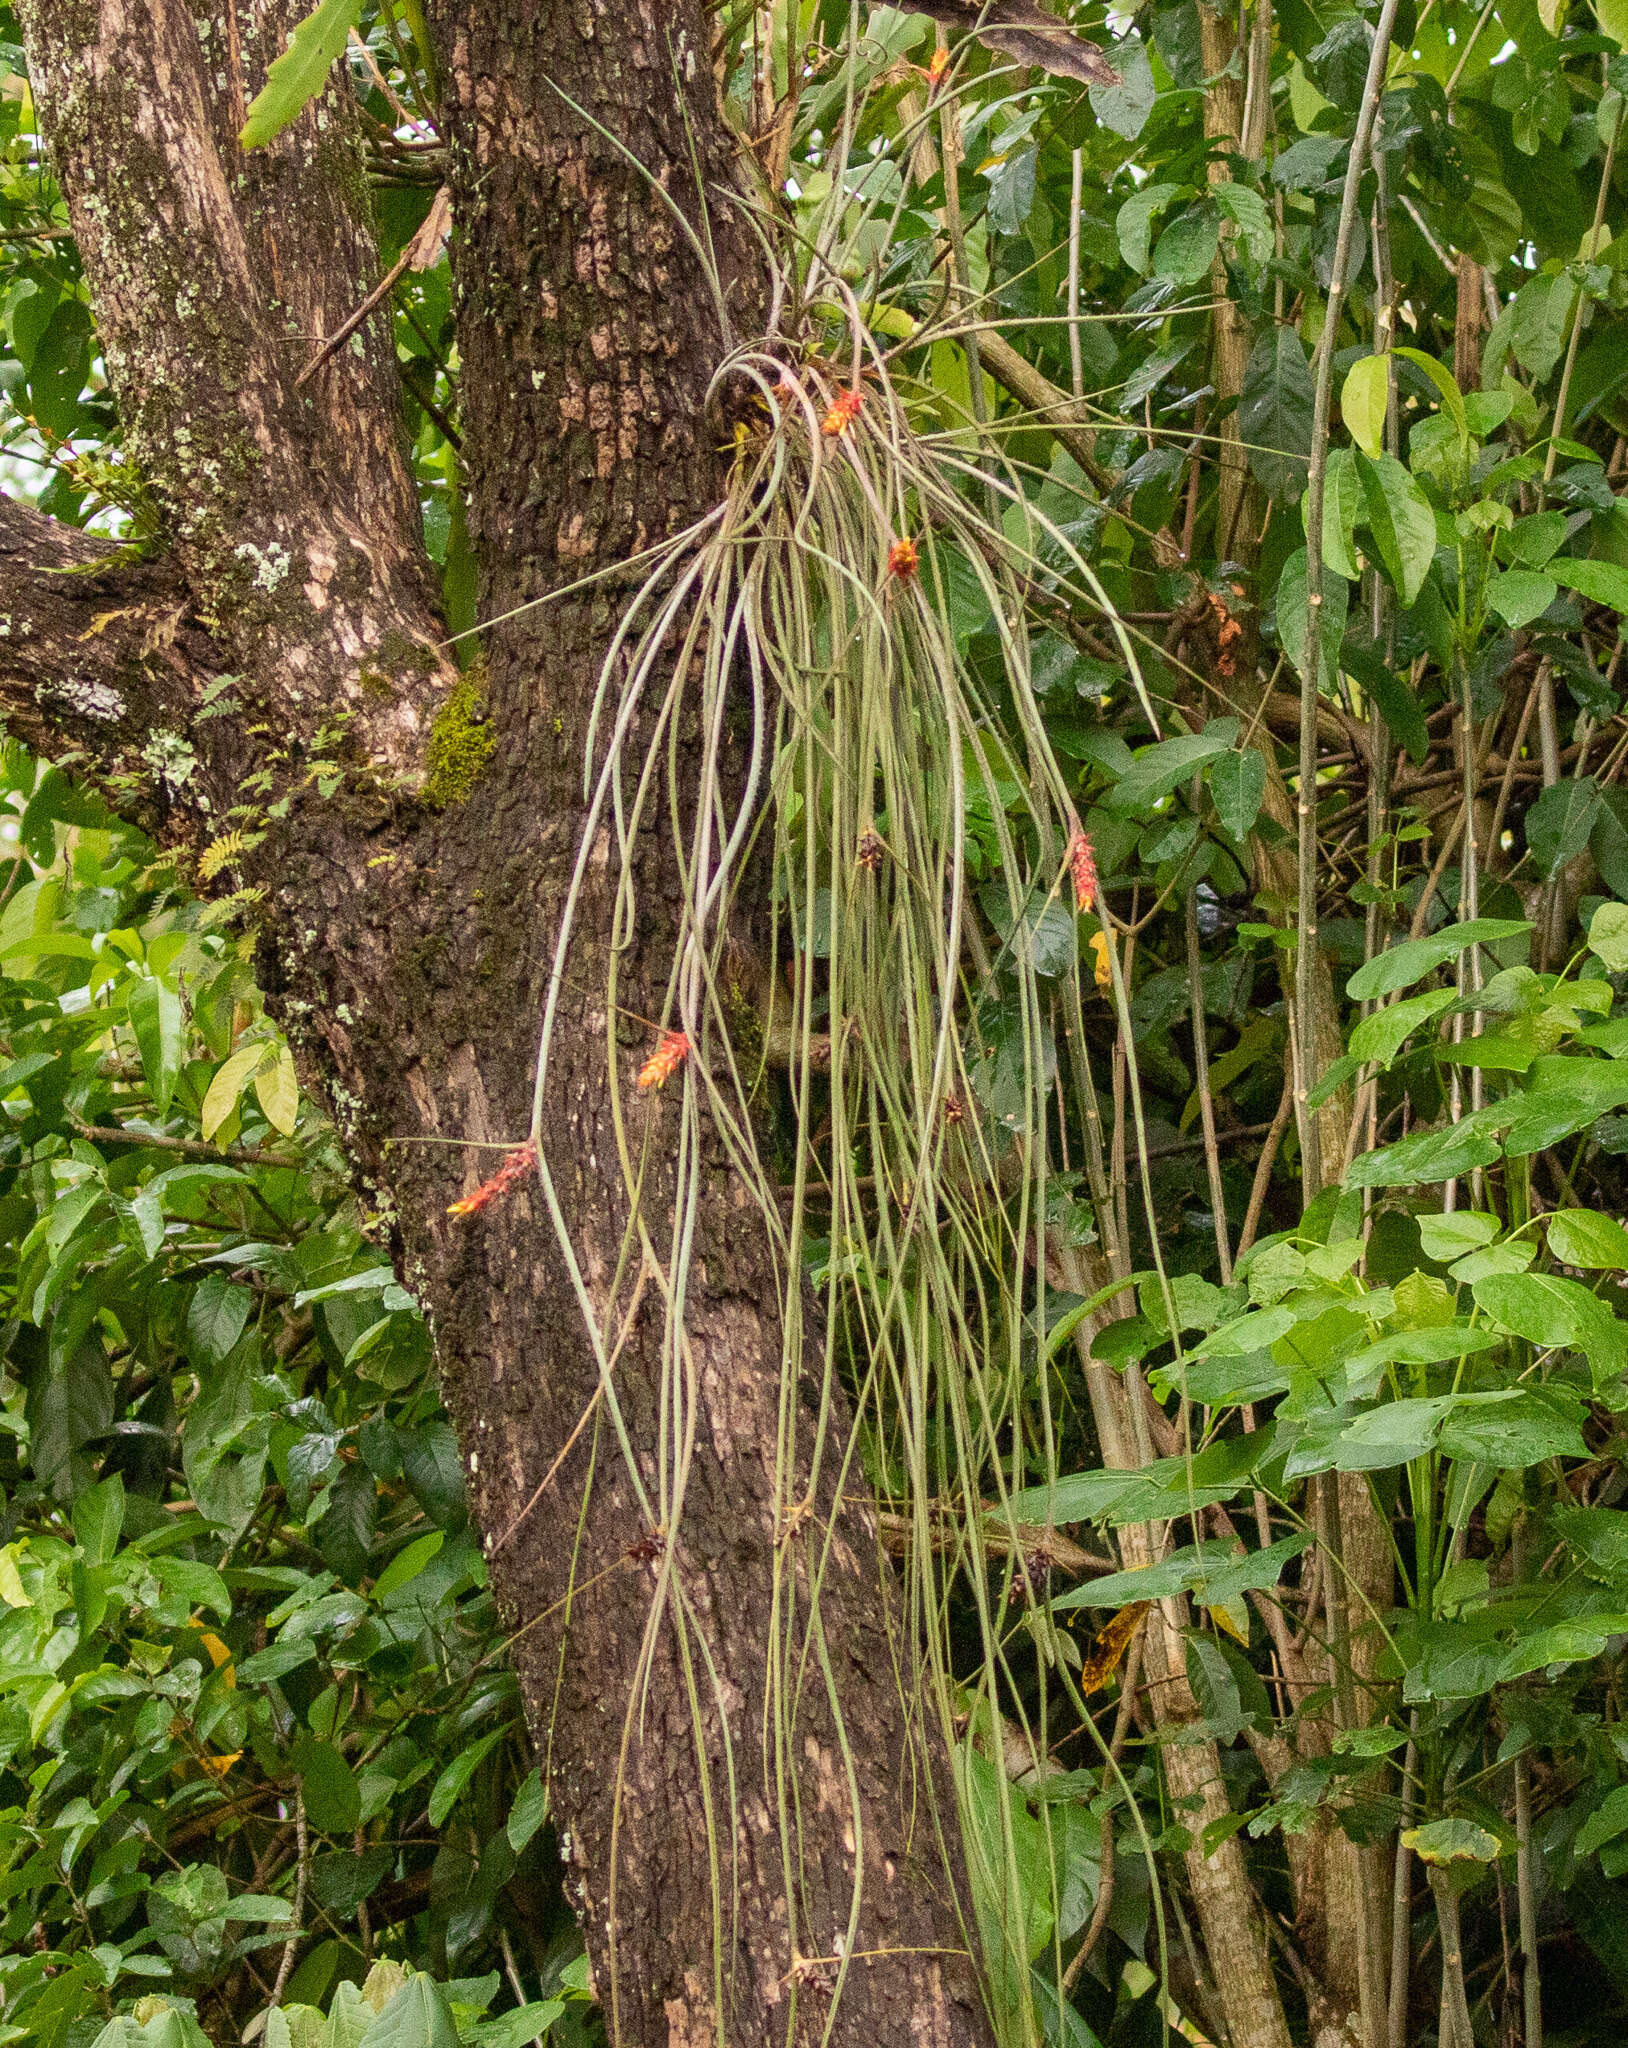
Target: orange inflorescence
1101, 1661
665, 1061
1082, 865
902, 559
843, 412
1228, 633
515, 1168
938, 65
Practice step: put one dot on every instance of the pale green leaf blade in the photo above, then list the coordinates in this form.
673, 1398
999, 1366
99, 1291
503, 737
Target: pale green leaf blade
299, 74
1363, 402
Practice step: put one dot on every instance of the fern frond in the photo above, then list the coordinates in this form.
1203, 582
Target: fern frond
219, 853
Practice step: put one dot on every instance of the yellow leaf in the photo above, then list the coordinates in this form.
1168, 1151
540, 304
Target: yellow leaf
227, 1086
1233, 1616
219, 1655
279, 1093
11, 1580
1101, 1661
218, 1766
1103, 973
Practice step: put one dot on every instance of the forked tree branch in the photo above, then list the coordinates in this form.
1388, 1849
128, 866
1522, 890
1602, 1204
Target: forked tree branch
214, 274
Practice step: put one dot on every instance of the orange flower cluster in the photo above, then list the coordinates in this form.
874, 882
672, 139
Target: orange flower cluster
902, 559
938, 65
1082, 865
665, 1061
515, 1168
843, 413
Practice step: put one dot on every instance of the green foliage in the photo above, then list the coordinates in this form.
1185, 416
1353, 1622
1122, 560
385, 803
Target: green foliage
299, 74
222, 1332
246, 1649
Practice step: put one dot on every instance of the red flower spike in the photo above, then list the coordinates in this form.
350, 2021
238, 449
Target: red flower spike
515, 1168
665, 1061
843, 412
902, 559
1082, 865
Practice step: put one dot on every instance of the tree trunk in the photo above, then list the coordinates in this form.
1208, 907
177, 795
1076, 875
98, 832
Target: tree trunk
757, 1826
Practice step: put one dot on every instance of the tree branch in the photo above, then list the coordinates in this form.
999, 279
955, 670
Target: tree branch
99, 648
214, 273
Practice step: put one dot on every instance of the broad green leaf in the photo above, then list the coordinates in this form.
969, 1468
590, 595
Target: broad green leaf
1513, 1428
1237, 785
1583, 1237
1245, 207
1398, 705
221, 1097
1293, 616
216, 1317
407, 1563
1161, 768
1559, 823
457, 1775
1451, 1841
98, 1517
1391, 1435
1599, 582
1542, 320
332, 1798
1275, 413
1008, 1864
1187, 247
299, 74
1452, 399
1519, 596
279, 1093
1133, 224
417, 2017
12, 1590
155, 1017
1400, 520
1215, 1571
1380, 1036
1363, 401
1608, 1820
529, 1811
1342, 512
1544, 1308
517, 2028
1453, 1233
1418, 957
1608, 936
1429, 1158
1124, 107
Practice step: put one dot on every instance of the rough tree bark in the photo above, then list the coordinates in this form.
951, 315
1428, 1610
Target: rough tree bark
406, 945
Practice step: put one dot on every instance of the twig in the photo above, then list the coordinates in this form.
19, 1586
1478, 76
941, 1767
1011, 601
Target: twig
1099, 1917
1206, 1104
1264, 1165
189, 1148
1306, 934
419, 254
301, 1872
